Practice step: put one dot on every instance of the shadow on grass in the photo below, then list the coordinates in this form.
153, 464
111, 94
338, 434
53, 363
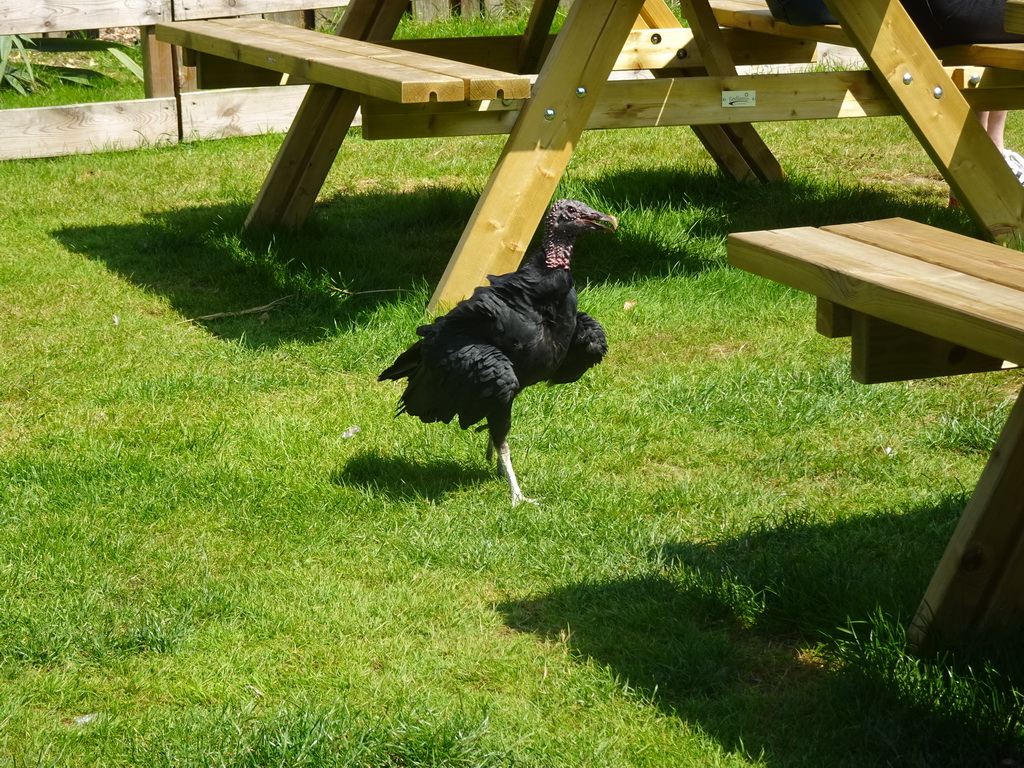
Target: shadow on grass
785, 644
381, 248
403, 479
346, 262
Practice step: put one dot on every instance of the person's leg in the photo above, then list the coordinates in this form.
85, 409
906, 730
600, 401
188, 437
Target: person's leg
995, 126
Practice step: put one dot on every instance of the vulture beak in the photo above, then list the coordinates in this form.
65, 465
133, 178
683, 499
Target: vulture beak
606, 221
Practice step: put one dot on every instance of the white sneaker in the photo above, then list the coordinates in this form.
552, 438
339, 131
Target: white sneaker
1016, 163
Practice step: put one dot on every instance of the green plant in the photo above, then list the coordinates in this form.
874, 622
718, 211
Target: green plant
18, 73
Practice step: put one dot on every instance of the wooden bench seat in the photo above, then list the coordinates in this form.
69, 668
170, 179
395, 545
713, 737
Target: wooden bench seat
956, 297
368, 68
923, 301
753, 15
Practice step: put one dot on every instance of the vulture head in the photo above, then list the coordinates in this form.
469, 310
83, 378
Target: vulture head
565, 221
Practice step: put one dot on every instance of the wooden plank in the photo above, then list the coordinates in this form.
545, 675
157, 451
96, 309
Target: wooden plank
881, 352
678, 101
755, 16
1000, 55
21, 17
942, 119
996, 264
1013, 20
481, 82
185, 10
782, 96
943, 303
539, 147
661, 102
239, 112
388, 120
979, 583
86, 128
673, 48
324, 59
368, 68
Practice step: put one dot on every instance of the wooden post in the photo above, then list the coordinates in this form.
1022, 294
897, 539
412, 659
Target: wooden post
158, 65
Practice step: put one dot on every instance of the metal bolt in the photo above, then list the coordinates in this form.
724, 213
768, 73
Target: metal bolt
937, 93
681, 54
907, 78
975, 79
656, 39
581, 92
549, 114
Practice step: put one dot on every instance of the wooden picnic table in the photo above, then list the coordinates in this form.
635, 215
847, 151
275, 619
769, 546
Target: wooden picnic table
918, 302
437, 87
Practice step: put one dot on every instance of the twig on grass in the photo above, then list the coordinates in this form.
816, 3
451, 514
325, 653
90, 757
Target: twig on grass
250, 311
360, 293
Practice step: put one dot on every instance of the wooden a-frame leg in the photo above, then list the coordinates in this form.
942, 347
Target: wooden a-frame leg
979, 583
737, 149
937, 112
318, 128
538, 27
539, 147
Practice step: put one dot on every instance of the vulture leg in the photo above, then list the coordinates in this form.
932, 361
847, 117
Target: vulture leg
498, 425
505, 468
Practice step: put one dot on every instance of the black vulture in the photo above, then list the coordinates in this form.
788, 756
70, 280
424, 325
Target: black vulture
521, 329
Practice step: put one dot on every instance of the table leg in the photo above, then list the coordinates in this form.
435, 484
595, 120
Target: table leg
318, 128
737, 149
979, 583
539, 147
937, 112
535, 37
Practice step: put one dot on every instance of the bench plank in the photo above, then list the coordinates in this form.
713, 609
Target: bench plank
1013, 19
367, 68
1000, 55
941, 302
480, 82
343, 70
995, 264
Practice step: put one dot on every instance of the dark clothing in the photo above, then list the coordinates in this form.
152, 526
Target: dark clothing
942, 22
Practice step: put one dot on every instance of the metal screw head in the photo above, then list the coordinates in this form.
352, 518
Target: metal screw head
549, 114
975, 79
907, 78
937, 92
581, 92
655, 39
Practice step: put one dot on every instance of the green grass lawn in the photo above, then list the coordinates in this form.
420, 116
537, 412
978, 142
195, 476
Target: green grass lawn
203, 564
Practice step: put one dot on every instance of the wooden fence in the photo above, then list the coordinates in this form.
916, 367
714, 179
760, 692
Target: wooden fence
173, 110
